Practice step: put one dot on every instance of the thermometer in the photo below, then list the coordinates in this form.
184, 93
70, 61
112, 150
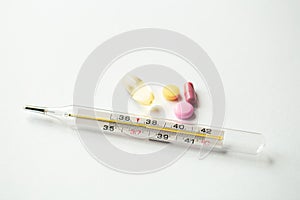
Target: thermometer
156, 129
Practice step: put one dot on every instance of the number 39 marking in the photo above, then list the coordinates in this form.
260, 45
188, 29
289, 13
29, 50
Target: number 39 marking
163, 136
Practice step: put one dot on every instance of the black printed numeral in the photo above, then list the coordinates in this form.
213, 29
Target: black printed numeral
124, 118
178, 126
108, 128
206, 130
149, 121
162, 136
188, 140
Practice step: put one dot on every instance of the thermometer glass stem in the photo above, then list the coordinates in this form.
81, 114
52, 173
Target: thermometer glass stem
158, 129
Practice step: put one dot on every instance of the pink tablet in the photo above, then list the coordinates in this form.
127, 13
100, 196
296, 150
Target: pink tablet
183, 110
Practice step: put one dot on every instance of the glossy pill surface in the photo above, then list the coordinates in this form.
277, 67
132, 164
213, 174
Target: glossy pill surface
143, 95
138, 90
171, 92
189, 93
183, 110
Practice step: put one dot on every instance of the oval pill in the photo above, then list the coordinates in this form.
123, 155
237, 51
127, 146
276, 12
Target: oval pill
189, 93
183, 110
138, 90
171, 92
143, 95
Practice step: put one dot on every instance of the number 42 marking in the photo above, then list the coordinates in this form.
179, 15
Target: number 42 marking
206, 130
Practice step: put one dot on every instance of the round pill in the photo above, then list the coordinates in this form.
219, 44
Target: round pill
183, 110
171, 92
156, 111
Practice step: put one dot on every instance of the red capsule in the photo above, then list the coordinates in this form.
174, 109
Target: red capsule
189, 93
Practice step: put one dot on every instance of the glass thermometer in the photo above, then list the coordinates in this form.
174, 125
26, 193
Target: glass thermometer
157, 129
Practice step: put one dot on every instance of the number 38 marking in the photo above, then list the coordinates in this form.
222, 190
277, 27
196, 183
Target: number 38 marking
149, 121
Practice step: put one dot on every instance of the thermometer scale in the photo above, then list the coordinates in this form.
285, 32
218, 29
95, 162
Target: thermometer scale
157, 129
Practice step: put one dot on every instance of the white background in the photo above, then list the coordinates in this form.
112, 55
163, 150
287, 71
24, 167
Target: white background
255, 46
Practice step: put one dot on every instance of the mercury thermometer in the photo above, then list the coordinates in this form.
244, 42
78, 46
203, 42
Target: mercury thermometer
157, 129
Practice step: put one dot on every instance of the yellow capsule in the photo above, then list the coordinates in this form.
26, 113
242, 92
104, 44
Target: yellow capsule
143, 95
171, 92
138, 90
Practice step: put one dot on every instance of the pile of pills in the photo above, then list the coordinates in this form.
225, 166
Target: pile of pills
142, 94
183, 109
